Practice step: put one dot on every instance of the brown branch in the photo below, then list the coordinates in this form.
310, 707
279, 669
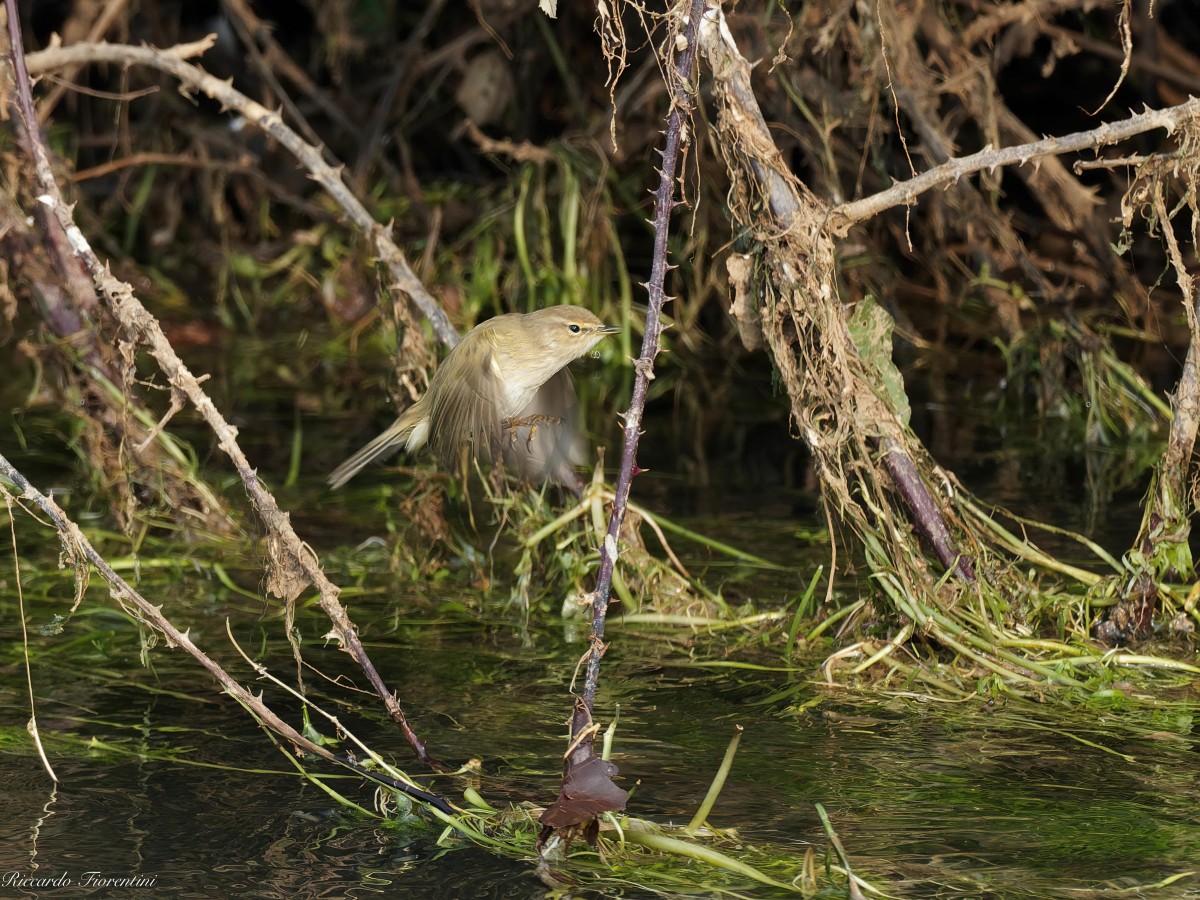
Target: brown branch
254, 31
834, 402
249, 29
109, 12
664, 203
370, 138
293, 564
116, 440
329, 177
1029, 12
1168, 511
843, 217
524, 152
1138, 62
77, 547
587, 788
924, 510
915, 90
150, 158
1066, 202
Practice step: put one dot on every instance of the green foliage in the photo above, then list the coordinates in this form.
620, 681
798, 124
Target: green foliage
871, 330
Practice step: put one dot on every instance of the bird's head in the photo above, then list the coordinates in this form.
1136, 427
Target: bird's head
567, 332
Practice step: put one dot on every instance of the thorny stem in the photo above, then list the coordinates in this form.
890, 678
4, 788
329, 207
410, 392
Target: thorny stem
77, 547
664, 202
843, 217
294, 565
271, 123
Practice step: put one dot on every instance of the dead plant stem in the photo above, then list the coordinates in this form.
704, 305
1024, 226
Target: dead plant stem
664, 203
328, 176
293, 565
841, 218
78, 548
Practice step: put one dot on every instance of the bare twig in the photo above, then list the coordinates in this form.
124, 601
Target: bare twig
77, 547
371, 137
664, 203
587, 788
257, 32
109, 13
1139, 62
1068, 203
329, 177
1031, 13
842, 218
293, 564
524, 152
250, 30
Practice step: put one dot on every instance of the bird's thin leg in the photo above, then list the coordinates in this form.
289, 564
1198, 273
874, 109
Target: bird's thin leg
498, 479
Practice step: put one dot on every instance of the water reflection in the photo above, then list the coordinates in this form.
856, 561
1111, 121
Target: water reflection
926, 797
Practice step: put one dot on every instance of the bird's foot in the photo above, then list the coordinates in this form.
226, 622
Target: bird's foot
530, 422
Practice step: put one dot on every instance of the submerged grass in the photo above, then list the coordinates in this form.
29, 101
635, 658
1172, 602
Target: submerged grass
477, 825
555, 239
637, 856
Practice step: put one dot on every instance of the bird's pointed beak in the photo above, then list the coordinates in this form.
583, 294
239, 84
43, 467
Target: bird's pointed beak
609, 329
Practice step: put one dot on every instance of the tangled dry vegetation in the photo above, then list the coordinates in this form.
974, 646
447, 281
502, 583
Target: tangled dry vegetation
878, 166
858, 176
898, 505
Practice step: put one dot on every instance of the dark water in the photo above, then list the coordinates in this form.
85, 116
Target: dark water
169, 788
929, 798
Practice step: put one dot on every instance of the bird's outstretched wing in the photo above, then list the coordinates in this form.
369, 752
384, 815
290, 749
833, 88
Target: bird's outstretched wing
465, 410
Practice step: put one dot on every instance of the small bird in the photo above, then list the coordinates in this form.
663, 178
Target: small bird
508, 373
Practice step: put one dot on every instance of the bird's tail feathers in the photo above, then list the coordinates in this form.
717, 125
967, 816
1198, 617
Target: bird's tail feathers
397, 436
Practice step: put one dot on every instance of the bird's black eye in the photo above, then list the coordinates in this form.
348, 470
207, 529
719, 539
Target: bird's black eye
573, 328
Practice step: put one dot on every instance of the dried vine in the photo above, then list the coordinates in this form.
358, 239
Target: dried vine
587, 787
